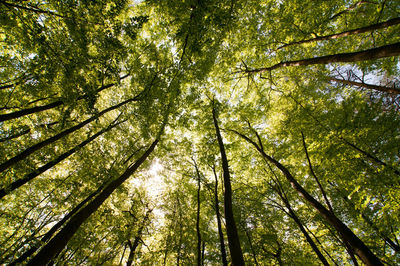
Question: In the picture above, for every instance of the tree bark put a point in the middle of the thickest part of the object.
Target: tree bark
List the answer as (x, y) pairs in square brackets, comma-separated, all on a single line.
[(370, 54), (198, 215), (367, 86), (360, 249), (385, 24), (233, 237), (138, 238), (292, 214), (253, 252), (60, 135), (16, 184), (17, 114), (390, 242), (60, 240), (57, 226), (220, 233), (328, 203)]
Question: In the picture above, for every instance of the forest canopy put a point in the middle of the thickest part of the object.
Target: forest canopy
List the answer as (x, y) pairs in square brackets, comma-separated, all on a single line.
[(199, 132)]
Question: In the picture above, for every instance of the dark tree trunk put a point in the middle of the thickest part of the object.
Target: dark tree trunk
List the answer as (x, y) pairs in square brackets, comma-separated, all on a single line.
[(359, 248), (328, 203), (231, 229), (369, 28), (60, 240), (365, 153), (203, 251), (281, 193), (253, 252), (198, 215), (13, 115), (16, 184), (60, 135), (390, 242), (369, 156), (57, 226), (370, 54), (367, 86), (220, 232), (138, 238)]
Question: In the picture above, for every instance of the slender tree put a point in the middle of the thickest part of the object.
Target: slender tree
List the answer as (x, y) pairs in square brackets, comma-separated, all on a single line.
[(231, 229), (356, 244), (198, 214), (282, 195), (370, 54), (138, 238), (10, 162), (36, 109), (367, 86), (58, 242), (219, 224), (18, 183), (369, 28)]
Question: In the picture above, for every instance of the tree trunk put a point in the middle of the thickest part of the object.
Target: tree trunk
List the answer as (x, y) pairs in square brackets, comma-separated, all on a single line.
[(385, 24), (57, 226), (198, 216), (370, 156), (16, 184), (60, 135), (13, 115), (220, 233), (367, 86), (370, 54), (253, 252), (138, 238), (231, 229), (60, 240), (360, 249), (203, 251), (292, 214), (390, 242), (328, 203), (367, 154)]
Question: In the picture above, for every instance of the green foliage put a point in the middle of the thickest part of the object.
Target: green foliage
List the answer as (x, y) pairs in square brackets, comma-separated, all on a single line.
[(178, 60)]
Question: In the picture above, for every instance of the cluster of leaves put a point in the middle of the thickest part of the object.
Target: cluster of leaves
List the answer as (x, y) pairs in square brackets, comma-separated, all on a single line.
[(87, 86)]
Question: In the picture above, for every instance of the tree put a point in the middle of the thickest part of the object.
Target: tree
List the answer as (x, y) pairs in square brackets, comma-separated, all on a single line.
[(89, 88)]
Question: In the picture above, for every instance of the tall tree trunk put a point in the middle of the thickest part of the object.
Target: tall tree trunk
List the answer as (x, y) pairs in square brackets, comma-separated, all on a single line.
[(360, 249), (385, 24), (60, 240), (370, 54), (231, 229), (203, 251), (253, 252), (60, 135), (198, 215), (365, 153), (370, 156), (220, 232), (347, 245), (319, 242), (367, 86), (390, 242), (138, 238), (16, 184), (57, 226), (328, 203), (17, 114), (281, 193)]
